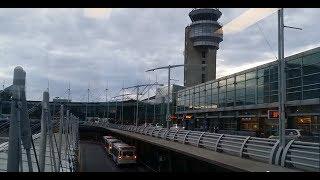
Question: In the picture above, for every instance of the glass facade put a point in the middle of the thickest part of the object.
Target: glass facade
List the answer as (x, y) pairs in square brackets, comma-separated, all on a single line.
[(256, 86)]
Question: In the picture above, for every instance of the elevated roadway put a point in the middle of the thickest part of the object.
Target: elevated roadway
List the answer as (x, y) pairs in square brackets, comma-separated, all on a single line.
[(230, 163)]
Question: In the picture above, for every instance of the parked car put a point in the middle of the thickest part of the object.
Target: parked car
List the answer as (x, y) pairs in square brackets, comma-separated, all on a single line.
[(159, 126), (290, 134), (175, 126)]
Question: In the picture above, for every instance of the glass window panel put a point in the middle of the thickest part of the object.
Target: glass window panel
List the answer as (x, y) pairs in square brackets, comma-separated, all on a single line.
[(274, 77), (311, 79), (294, 96), (274, 98), (263, 90), (230, 80), (260, 99), (293, 73), (274, 86), (263, 99), (196, 101), (295, 63), (240, 85), (263, 72), (222, 103), (241, 77), (263, 80), (251, 84), (214, 90), (274, 69), (230, 95), (202, 88), (311, 59), (230, 87), (214, 85), (222, 89), (196, 90), (273, 92), (311, 94), (311, 69), (240, 93), (311, 87), (296, 82), (240, 102), (187, 103), (208, 92), (202, 93), (215, 99), (187, 96), (208, 86), (209, 100), (251, 75), (229, 102), (266, 99), (294, 89), (202, 101), (222, 82), (222, 96), (250, 101), (250, 92)]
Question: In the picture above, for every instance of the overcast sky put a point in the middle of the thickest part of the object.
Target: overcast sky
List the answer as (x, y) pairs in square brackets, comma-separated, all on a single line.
[(114, 47)]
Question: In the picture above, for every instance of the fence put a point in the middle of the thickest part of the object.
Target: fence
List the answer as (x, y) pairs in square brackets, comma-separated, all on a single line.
[(296, 154)]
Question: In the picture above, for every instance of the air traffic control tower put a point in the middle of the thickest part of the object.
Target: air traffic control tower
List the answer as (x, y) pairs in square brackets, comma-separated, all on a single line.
[(202, 38)]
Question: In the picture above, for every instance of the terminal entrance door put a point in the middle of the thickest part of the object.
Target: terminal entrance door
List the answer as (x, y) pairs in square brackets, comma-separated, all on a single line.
[(304, 123), (270, 127)]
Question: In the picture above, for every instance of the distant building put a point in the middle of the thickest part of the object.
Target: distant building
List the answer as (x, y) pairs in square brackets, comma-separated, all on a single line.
[(58, 100), (202, 38), (241, 101), (162, 93)]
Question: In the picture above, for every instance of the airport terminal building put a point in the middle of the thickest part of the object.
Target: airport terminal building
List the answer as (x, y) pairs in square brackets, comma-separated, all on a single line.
[(241, 101)]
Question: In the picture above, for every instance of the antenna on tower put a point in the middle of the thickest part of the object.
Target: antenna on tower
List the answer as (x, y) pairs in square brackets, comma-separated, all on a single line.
[(69, 92), (48, 86), (87, 100)]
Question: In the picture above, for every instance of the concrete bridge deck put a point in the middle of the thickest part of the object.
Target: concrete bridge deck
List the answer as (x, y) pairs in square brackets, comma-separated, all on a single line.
[(222, 160)]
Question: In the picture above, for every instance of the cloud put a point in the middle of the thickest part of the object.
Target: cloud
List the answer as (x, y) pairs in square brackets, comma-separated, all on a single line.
[(63, 45), (247, 19), (98, 13)]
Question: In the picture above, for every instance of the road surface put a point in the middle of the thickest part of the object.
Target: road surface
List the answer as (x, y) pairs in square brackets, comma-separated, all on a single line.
[(95, 159)]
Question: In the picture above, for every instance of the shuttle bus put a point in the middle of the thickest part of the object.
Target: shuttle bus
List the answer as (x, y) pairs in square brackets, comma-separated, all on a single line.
[(109, 143), (123, 154), (105, 138)]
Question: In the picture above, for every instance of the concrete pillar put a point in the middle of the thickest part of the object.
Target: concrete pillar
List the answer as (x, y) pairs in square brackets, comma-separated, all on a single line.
[(25, 125), (60, 134), (44, 126), (14, 149)]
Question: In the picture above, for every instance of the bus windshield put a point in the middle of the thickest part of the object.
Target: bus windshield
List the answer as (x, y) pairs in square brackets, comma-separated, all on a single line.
[(127, 153)]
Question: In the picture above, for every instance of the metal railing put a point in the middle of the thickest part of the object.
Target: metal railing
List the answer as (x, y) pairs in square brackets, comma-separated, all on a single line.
[(296, 154)]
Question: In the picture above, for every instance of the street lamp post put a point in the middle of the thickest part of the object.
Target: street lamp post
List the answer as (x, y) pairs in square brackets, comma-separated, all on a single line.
[(169, 67), (122, 104), (87, 103), (281, 78), (168, 97), (137, 106), (107, 103), (122, 107), (137, 98)]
